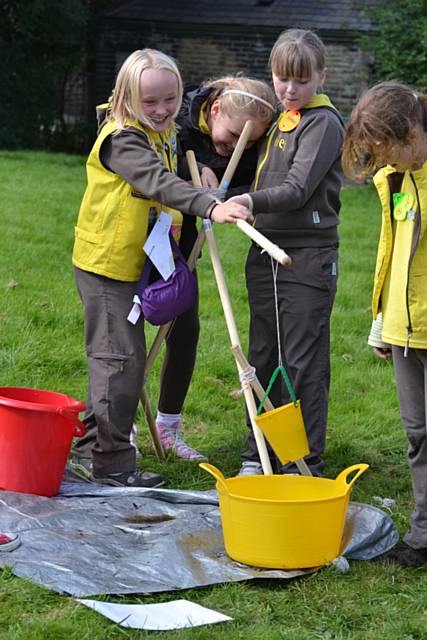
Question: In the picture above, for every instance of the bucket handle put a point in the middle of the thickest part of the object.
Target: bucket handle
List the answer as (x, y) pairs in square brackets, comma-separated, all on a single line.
[(216, 473), (70, 413), (342, 477)]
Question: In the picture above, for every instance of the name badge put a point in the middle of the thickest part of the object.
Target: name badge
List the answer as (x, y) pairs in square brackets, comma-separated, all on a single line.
[(289, 120), (403, 206)]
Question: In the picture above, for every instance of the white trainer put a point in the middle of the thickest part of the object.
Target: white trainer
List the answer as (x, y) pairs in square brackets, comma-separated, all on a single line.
[(250, 468)]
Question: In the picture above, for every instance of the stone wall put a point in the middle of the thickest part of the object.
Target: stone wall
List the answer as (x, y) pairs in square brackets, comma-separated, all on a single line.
[(347, 75), (204, 54)]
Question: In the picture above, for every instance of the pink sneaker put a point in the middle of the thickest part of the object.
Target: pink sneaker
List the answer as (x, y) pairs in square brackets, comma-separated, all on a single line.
[(171, 441)]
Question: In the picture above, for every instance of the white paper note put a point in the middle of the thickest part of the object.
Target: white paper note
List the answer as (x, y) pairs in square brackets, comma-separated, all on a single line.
[(135, 312), (158, 248), (164, 616)]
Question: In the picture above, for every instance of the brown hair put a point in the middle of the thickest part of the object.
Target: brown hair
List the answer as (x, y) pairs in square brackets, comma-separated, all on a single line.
[(232, 92), (297, 53), (384, 116)]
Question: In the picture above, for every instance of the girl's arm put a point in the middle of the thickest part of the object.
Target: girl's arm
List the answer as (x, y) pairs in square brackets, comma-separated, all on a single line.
[(380, 348), (130, 156), (319, 147)]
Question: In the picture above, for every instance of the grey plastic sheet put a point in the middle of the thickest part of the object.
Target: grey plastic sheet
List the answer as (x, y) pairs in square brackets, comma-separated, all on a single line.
[(93, 539)]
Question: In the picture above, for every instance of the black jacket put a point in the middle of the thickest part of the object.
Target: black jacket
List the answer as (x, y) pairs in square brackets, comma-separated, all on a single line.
[(190, 137)]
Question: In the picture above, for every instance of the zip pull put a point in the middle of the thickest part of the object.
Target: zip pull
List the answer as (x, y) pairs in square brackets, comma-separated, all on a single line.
[(405, 353)]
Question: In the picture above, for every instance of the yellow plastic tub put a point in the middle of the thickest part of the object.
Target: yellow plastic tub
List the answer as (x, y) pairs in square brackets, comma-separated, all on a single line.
[(284, 522)]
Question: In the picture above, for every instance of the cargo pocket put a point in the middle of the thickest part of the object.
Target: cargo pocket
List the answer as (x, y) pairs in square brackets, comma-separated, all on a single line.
[(87, 236), (117, 360)]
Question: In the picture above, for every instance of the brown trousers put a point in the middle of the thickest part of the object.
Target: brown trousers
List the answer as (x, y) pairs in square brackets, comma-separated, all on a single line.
[(411, 381), (116, 353), (306, 292)]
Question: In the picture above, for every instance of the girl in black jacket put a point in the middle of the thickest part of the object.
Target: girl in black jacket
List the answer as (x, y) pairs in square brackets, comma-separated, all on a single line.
[(210, 122)]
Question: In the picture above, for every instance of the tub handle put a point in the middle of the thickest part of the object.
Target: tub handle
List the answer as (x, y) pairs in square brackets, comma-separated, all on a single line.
[(78, 426), (342, 477), (216, 473)]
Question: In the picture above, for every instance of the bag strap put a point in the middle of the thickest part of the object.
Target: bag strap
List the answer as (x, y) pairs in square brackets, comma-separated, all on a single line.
[(176, 249), (148, 265), (145, 274)]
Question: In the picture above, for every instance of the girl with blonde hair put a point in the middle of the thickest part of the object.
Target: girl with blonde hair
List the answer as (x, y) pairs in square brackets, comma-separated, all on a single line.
[(131, 174), (210, 122)]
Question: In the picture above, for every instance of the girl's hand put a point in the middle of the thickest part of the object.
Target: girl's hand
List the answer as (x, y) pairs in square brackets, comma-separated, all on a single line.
[(231, 212), (381, 352), (243, 199), (209, 179)]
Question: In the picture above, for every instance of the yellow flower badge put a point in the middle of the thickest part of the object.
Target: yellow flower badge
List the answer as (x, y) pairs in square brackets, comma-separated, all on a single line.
[(289, 120), (403, 206)]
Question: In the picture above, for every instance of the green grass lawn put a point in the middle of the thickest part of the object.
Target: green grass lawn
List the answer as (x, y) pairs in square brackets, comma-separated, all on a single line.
[(42, 346)]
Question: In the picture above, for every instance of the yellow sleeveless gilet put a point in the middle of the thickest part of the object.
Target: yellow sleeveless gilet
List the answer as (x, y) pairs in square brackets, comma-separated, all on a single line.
[(113, 219)]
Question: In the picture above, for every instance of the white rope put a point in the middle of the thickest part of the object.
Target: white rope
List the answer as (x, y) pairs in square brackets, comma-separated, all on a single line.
[(247, 376), (274, 270)]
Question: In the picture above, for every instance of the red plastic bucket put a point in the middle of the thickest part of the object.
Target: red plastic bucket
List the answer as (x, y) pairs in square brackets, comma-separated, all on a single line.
[(36, 430)]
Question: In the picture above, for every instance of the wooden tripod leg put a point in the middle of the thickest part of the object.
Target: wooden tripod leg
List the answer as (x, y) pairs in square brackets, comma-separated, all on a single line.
[(160, 336), (145, 402), (229, 318), (143, 396), (232, 330), (163, 330)]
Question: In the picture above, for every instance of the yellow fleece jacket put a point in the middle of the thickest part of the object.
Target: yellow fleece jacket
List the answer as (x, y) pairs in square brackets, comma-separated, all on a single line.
[(400, 287)]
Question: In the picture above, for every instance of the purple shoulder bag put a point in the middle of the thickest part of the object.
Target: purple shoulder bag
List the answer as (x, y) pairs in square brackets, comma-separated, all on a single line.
[(164, 300)]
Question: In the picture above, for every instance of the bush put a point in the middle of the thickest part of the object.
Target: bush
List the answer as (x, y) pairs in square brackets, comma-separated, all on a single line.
[(41, 44), (399, 42)]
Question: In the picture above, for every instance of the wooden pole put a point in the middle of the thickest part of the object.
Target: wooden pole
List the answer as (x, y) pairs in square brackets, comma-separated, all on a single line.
[(272, 249), (231, 325), (164, 330), (303, 468)]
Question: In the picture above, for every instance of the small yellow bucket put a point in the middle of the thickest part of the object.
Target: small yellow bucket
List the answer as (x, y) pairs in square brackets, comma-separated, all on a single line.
[(284, 522), (284, 429)]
